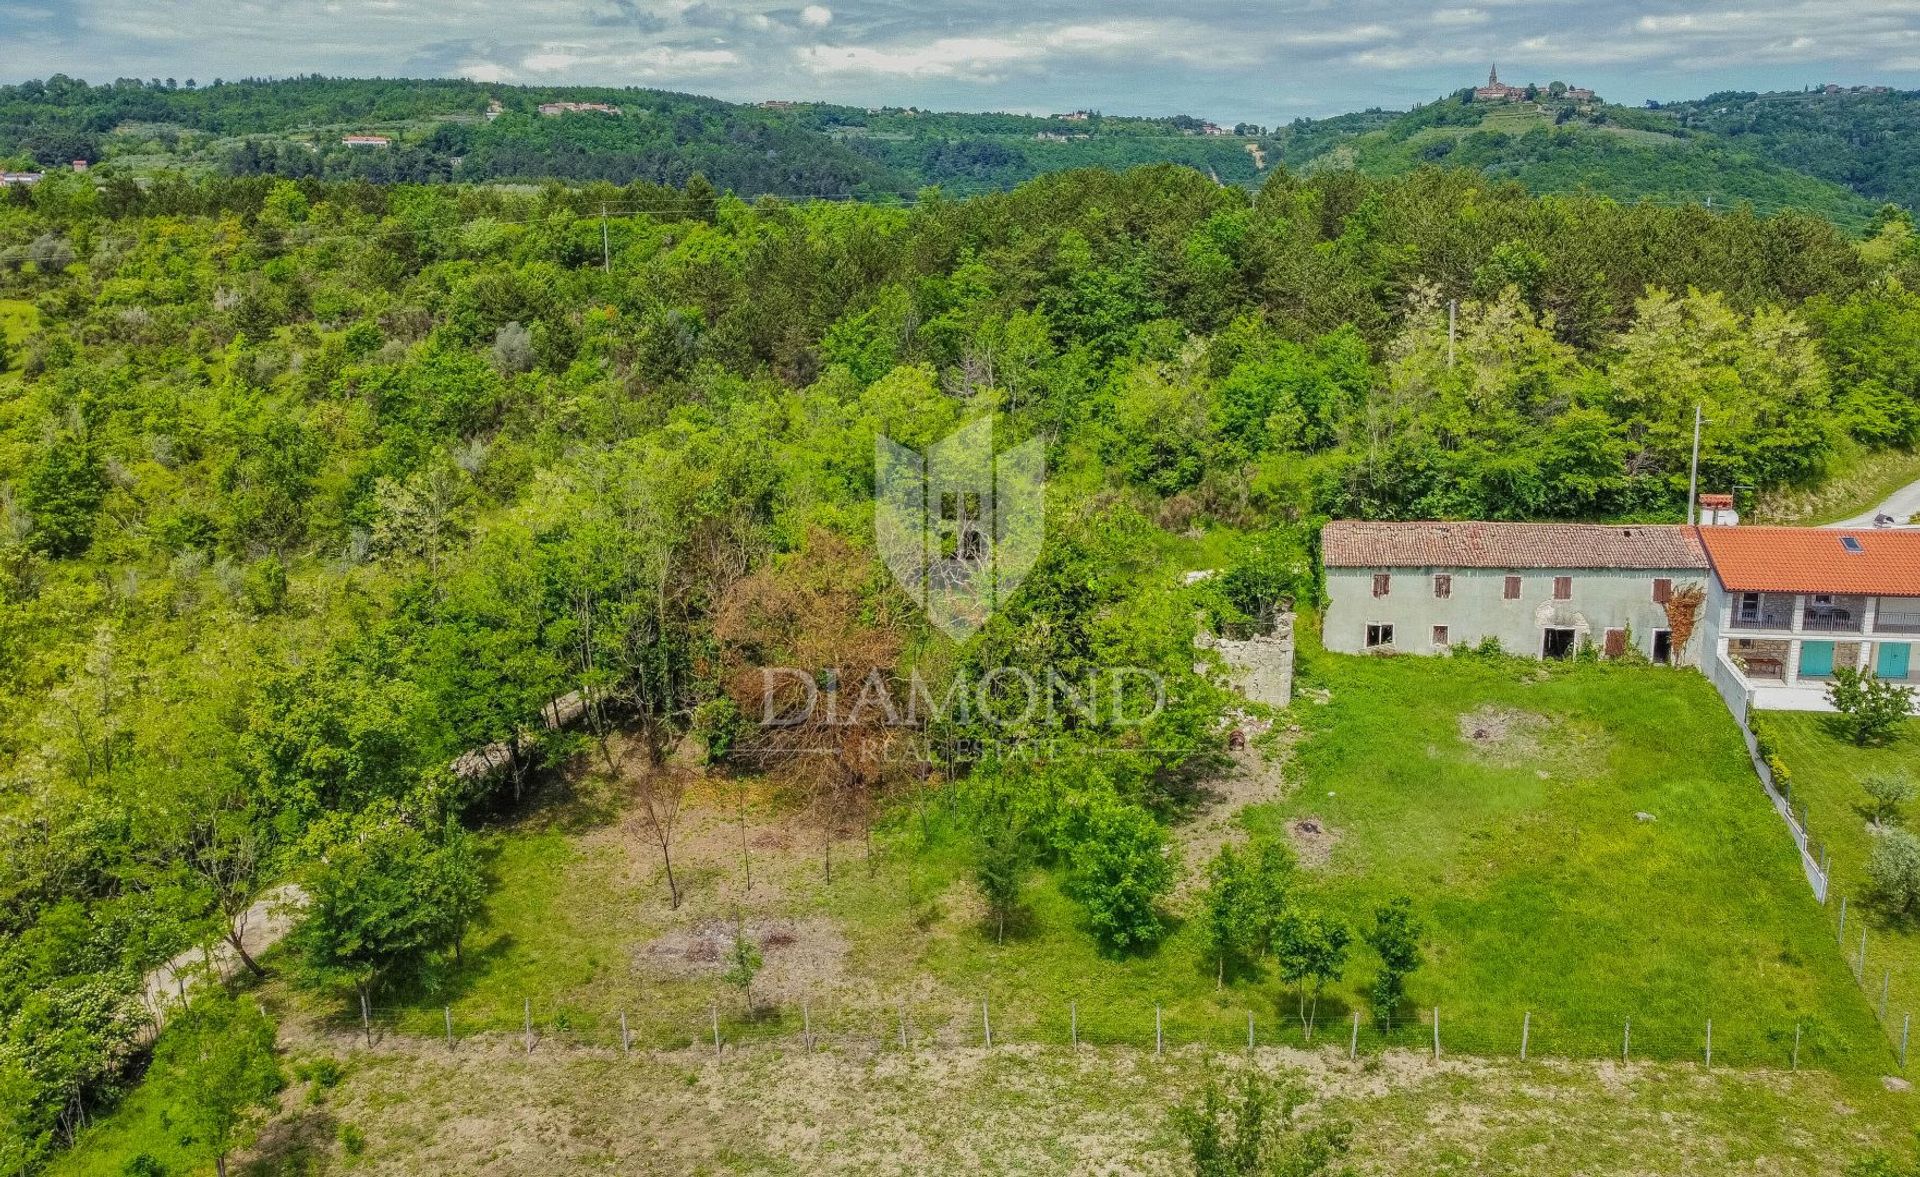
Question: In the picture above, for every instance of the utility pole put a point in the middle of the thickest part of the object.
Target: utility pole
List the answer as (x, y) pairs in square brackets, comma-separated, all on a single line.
[(606, 249), (1693, 474)]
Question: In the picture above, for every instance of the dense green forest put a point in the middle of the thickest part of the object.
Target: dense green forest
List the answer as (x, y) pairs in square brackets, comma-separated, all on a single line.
[(1867, 138), (1838, 155), (307, 487)]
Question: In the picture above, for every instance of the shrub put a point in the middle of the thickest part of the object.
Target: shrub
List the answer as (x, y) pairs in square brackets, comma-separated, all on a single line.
[(1251, 1131), (1782, 779), (1121, 867), (1887, 794), (1894, 872)]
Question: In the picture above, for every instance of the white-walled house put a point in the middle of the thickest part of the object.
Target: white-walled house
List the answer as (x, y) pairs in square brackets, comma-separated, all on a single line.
[(1786, 605), (1542, 589)]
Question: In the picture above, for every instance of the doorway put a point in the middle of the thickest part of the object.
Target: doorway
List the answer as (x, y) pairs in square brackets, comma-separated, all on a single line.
[(1662, 646), (1557, 643)]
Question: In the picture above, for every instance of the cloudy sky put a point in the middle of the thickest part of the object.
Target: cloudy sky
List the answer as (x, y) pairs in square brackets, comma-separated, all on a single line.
[(1264, 62)]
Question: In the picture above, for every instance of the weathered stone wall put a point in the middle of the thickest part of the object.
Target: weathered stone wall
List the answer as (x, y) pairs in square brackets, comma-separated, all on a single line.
[(1260, 667)]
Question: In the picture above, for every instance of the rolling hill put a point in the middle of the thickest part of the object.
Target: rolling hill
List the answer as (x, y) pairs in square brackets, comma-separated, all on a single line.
[(1621, 152), (1837, 155)]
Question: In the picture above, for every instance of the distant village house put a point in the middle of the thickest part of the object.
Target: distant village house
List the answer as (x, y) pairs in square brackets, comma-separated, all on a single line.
[(366, 140), (1498, 91), (554, 109)]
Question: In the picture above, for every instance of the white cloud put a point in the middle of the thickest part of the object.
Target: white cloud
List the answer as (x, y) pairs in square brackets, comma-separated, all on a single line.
[(816, 16), (946, 57)]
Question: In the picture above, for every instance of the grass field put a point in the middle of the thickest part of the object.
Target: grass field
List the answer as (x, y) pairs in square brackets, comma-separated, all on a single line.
[(489, 1108), (1827, 771), (1501, 795), (1544, 893)]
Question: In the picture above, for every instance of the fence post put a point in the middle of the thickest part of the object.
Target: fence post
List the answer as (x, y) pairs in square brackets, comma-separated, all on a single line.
[(716, 1027), (526, 1009), (448, 1010), (366, 1017), (1436, 1033), (986, 1022), (903, 1025), (1526, 1029), (806, 1022), (1796, 1046), (1353, 1046), (1249, 1031), (1159, 1037), (1073, 1022), (626, 1039), (1862, 973), (1709, 1043), (1626, 1039), (1886, 983), (1843, 919)]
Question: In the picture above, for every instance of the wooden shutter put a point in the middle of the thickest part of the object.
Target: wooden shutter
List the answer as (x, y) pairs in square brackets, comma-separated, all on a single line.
[(1442, 586), (1662, 590), (1381, 583), (1563, 588), (1616, 643), (1513, 588)]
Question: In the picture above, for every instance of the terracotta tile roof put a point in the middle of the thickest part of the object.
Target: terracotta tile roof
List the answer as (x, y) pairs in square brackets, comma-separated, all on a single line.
[(1351, 544), (1815, 560), (1721, 502)]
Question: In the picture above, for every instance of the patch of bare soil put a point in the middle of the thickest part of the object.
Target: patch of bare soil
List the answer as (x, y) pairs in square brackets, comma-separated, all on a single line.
[(1256, 776), (1313, 840), (797, 955), (1504, 731)]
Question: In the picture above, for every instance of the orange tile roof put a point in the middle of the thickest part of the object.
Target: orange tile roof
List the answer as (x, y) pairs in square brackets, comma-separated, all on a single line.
[(1353, 544), (1814, 560)]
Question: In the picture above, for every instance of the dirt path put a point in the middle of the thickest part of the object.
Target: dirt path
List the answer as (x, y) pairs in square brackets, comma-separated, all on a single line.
[(261, 927)]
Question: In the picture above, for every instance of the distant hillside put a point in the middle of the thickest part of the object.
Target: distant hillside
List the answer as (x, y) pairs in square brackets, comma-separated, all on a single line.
[(1565, 146), (1835, 155), (1867, 138), (448, 130)]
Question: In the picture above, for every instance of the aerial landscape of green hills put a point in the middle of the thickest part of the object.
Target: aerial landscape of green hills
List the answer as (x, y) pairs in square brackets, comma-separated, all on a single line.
[(1836, 154), (443, 524)]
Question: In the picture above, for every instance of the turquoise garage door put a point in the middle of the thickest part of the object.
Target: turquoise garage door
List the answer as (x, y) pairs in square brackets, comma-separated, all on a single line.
[(1893, 660), (1816, 659)]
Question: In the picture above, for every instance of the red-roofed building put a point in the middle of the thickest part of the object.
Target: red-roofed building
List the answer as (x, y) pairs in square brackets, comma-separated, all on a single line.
[(1787, 605)]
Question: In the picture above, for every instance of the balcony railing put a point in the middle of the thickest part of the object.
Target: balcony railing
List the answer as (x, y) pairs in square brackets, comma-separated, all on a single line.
[(1781, 618), (1896, 621), (1831, 620)]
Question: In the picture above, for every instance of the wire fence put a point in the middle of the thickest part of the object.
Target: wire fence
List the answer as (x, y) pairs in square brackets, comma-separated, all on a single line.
[(1070, 1023)]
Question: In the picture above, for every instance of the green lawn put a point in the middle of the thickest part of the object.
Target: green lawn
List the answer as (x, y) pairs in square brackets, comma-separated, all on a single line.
[(1546, 891), (1826, 774)]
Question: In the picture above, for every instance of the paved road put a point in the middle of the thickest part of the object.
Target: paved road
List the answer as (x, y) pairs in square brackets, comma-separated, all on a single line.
[(261, 927), (1902, 504)]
